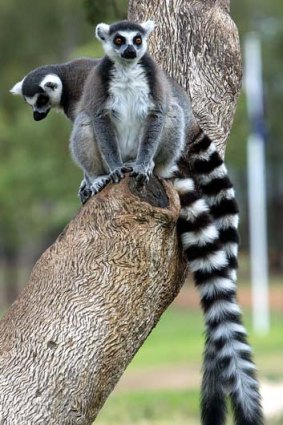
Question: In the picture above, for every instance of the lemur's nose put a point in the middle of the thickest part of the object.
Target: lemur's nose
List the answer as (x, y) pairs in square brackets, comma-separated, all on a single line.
[(129, 52), (38, 116)]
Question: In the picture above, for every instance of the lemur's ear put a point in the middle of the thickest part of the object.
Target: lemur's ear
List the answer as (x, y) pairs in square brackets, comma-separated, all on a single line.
[(148, 26), (102, 31), (17, 88)]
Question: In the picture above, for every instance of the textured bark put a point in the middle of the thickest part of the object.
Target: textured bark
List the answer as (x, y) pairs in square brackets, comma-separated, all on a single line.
[(197, 43), (92, 299)]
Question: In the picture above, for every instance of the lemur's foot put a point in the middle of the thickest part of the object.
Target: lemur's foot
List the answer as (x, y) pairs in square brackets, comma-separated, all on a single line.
[(142, 173), (99, 183), (84, 192)]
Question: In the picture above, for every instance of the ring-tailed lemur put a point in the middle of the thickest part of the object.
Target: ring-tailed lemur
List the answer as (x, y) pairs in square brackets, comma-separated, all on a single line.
[(55, 86), (131, 116), (209, 239)]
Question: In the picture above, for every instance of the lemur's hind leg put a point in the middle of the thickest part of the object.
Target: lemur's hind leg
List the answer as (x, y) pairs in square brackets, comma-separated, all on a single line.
[(172, 144)]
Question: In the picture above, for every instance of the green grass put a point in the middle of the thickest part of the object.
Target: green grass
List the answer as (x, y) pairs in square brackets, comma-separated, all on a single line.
[(268, 349), (178, 340), (163, 407)]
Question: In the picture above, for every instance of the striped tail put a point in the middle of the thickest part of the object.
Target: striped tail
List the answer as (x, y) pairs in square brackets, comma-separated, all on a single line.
[(228, 366), (211, 176)]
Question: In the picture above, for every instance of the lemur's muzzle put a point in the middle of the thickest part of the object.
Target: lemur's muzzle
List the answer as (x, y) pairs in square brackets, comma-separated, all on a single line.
[(38, 116), (129, 53)]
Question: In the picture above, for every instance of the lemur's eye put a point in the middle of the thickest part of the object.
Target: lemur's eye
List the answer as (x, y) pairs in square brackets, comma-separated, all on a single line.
[(42, 101), (138, 41), (118, 41)]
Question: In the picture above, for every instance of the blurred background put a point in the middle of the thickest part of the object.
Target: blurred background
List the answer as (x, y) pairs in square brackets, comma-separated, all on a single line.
[(39, 183)]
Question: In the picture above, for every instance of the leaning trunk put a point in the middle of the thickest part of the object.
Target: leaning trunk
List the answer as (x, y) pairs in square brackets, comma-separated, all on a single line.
[(92, 299)]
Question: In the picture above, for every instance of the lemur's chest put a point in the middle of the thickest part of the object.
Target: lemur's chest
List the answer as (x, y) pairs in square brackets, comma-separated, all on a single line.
[(129, 104)]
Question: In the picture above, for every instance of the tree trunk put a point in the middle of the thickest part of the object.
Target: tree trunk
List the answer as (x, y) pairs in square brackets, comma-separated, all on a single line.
[(92, 299), (197, 43)]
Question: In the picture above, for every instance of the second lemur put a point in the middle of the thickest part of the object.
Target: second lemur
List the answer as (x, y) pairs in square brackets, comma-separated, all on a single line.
[(57, 86)]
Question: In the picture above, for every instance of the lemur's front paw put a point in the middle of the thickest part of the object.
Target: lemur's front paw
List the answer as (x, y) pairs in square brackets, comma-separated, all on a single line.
[(142, 173), (117, 174), (84, 192), (128, 166), (99, 183)]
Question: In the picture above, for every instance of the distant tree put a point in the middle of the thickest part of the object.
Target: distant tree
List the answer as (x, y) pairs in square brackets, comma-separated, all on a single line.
[(110, 10), (265, 18), (34, 156)]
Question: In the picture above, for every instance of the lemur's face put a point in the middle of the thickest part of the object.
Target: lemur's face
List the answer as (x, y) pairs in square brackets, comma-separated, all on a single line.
[(128, 45), (124, 42), (41, 97), (40, 104)]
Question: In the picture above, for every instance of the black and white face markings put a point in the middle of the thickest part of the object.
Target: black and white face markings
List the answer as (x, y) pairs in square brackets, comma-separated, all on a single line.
[(40, 104), (208, 229), (124, 41), (41, 92)]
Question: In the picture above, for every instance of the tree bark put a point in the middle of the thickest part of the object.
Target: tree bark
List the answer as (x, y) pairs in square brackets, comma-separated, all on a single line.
[(197, 43), (92, 299)]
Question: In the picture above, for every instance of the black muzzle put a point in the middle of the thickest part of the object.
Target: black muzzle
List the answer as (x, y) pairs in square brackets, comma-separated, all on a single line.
[(129, 53), (38, 116)]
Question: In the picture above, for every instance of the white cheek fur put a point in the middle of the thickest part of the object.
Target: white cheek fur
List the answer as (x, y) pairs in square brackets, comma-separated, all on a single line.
[(55, 93)]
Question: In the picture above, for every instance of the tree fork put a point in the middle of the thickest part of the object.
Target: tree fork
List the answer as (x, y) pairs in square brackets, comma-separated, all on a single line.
[(92, 299)]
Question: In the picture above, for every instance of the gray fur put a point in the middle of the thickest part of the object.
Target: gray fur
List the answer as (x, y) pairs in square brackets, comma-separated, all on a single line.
[(60, 84), (130, 113)]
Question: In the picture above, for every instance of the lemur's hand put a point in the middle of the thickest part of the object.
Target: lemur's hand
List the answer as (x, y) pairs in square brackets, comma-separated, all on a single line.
[(119, 172), (142, 172), (84, 191)]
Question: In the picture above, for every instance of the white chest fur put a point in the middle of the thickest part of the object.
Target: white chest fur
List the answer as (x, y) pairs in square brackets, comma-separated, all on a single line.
[(129, 104)]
